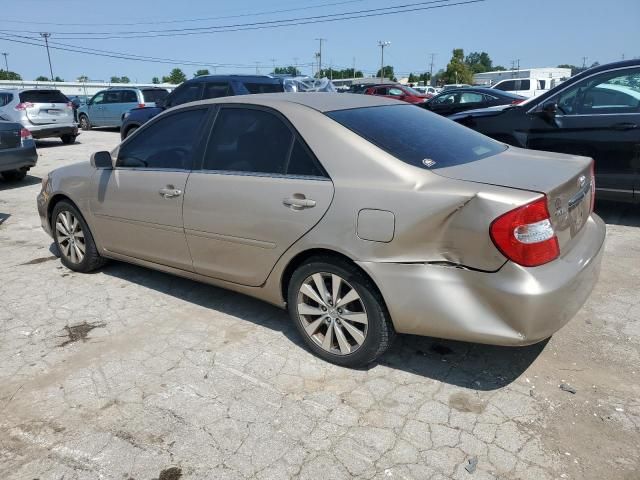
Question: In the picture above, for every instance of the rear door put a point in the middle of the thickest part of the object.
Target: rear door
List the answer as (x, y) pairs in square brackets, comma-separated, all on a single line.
[(598, 117), (46, 106), (138, 205), (259, 190), (216, 90)]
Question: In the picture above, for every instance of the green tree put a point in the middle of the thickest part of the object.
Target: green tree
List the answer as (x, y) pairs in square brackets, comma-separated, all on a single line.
[(155, 80), (9, 75), (83, 78), (58, 79), (499, 68), (115, 80), (123, 79), (413, 78), (457, 70), (201, 72), (388, 72), (290, 70), (479, 62), (176, 76), (42, 78), (339, 74)]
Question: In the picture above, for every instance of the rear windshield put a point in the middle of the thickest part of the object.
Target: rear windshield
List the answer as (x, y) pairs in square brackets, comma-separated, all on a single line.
[(154, 95), (264, 87), (43, 96), (416, 136)]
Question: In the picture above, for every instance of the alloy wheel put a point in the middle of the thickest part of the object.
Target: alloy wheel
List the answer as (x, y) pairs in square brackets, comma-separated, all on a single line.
[(332, 313), (70, 237)]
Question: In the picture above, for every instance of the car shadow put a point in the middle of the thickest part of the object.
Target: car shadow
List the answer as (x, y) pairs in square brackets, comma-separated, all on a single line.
[(474, 366), (618, 213), (51, 143), (25, 182)]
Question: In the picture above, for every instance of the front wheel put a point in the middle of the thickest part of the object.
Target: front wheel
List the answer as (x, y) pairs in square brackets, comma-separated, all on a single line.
[(78, 251), (84, 123), (68, 139), (339, 312), (130, 132), (14, 175)]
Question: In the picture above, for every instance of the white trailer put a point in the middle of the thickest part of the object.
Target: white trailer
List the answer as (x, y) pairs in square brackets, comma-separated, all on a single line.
[(550, 76)]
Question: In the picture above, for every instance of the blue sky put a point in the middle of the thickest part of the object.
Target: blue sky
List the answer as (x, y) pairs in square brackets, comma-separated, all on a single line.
[(540, 33)]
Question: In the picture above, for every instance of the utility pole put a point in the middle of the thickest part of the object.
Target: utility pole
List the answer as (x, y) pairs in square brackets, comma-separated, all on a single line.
[(320, 53), (518, 68), (273, 62), (382, 44), (257, 70), (354, 68), (295, 64), (584, 62), (317, 59), (46, 36), (6, 64), (431, 69)]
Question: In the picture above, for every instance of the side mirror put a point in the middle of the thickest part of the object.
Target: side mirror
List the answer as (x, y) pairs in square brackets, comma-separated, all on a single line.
[(102, 160)]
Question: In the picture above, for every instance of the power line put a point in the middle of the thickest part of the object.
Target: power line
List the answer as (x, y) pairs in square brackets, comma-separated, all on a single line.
[(376, 12), (186, 20)]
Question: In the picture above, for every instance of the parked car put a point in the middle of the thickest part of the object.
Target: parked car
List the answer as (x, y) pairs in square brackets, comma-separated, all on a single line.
[(359, 87), (44, 112), (527, 87), (461, 99), (203, 87), (107, 107), (364, 216), (595, 114), (398, 92), (17, 150), (431, 91)]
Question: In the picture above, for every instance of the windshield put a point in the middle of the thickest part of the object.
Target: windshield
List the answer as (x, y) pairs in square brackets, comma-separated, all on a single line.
[(416, 136)]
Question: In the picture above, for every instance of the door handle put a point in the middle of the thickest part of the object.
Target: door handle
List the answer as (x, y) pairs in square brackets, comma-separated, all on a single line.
[(170, 192), (624, 126), (298, 202)]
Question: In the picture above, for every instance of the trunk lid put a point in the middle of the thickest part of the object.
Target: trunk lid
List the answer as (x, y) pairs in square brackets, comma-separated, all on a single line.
[(46, 106), (566, 180), (9, 135)]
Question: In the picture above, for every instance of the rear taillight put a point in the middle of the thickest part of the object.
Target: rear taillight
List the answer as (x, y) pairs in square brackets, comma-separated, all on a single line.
[(525, 235), (23, 105), (593, 185), (141, 105), (25, 135), (69, 104), (517, 101)]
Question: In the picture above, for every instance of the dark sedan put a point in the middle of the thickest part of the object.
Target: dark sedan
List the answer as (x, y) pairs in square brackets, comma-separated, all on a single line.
[(461, 99), (594, 114), (17, 150)]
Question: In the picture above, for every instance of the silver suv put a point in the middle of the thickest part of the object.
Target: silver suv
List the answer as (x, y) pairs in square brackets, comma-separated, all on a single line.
[(108, 107), (44, 112)]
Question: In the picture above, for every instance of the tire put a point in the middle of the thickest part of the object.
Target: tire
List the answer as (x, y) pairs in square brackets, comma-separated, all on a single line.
[(69, 253), (130, 132), (84, 122), (14, 175), (68, 139), (373, 323)]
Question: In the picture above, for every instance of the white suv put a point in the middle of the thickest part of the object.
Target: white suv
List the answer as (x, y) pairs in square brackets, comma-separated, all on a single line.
[(44, 112), (527, 87)]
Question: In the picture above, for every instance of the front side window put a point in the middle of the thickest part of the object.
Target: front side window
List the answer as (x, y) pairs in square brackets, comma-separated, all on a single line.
[(167, 143), (470, 97), (445, 99), (98, 99), (607, 93), (507, 86), (216, 90), (416, 136), (185, 93), (257, 141)]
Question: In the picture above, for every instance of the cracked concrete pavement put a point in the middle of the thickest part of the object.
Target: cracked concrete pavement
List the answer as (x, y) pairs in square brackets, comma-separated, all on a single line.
[(133, 374)]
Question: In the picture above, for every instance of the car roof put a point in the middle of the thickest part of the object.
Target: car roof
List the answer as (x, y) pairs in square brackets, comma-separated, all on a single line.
[(238, 76), (321, 101)]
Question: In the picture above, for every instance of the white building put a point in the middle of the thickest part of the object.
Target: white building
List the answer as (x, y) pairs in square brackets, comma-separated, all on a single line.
[(88, 88), (554, 74)]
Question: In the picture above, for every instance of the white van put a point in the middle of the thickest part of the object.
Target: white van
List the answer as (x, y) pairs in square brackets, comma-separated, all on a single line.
[(527, 87)]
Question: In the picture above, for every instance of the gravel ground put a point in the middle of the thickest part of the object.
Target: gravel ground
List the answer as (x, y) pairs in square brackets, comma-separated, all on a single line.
[(133, 374)]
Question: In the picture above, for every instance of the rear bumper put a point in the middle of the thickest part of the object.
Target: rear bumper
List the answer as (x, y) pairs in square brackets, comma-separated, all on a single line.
[(513, 306), (15, 158), (52, 130)]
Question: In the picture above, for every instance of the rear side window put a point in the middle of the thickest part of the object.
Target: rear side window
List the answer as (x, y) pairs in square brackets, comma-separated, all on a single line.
[(166, 144), (264, 87), (216, 90), (112, 96), (5, 99), (129, 96), (185, 93), (416, 136), (154, 95), (43, 96)]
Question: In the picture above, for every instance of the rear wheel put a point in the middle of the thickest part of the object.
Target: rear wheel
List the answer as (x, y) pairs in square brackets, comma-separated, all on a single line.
[(68, 139), (15, 175), (73, 238), (339, 312), (84, 122)]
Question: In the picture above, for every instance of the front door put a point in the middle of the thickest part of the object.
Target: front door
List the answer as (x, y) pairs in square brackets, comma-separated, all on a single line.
[(95, 110), (138, 205), (259, 191), (112, 108), (600, 118)]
